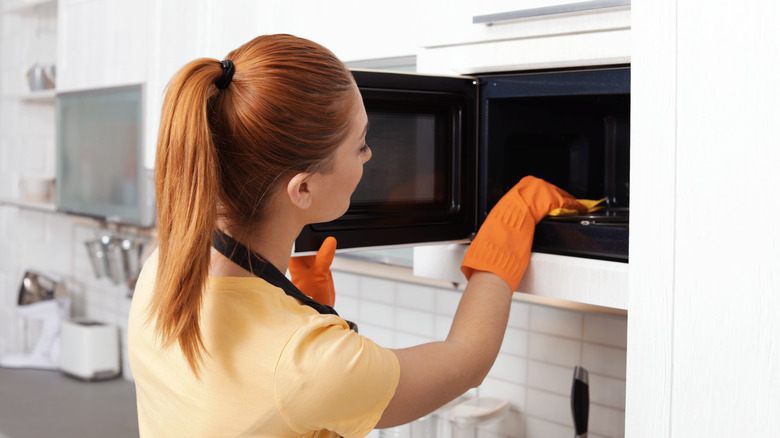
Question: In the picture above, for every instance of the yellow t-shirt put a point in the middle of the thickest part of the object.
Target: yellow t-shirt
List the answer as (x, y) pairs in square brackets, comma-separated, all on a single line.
[(274, 368)]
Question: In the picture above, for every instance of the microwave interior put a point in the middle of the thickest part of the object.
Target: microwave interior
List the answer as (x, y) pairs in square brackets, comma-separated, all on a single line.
[(572, 129)]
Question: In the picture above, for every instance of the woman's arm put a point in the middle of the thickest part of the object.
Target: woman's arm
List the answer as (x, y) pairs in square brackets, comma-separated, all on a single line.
[(435, 373)]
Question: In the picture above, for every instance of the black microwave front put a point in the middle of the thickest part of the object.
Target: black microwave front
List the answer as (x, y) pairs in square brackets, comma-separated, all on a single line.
[(445, 149)]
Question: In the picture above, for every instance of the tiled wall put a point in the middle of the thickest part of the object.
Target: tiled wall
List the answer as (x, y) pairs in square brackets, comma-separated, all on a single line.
[(535, 366)]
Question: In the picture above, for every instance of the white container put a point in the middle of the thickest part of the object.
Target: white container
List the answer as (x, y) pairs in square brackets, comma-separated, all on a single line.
[(37, 188), (90, 350), (467, 416)]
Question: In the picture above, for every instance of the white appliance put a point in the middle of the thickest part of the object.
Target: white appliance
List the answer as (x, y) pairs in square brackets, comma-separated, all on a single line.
[(90, 350), (41, 300)]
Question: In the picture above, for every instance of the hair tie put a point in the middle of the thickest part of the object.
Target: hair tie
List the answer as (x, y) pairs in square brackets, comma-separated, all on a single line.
[(227, 74)]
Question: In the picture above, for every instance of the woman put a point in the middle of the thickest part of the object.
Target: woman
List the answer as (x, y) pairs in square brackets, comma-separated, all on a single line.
[(250, 150)]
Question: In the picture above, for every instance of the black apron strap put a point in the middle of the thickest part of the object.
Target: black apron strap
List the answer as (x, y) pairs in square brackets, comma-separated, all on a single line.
[(254, 263)]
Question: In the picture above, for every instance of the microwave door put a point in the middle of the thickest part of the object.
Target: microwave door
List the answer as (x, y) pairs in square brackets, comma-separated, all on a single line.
[(420, 184)]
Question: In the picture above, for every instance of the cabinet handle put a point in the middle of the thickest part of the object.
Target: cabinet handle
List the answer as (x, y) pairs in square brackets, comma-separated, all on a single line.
[(549, 10)]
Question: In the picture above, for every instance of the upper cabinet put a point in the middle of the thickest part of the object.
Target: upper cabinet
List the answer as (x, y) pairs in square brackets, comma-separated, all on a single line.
[(474, 37), (102, 43), (353, 30)]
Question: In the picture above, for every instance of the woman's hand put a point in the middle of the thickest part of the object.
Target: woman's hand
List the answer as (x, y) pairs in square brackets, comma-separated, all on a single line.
[(503, 243), (311, 274)]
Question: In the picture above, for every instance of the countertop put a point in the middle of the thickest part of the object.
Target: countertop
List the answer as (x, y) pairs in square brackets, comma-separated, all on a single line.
[(38, 404)]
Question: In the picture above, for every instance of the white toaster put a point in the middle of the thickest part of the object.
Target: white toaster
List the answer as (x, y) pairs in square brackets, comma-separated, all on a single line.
[(89, 350)]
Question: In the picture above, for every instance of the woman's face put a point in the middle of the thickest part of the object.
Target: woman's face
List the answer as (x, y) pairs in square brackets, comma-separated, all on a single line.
[(332, 188)]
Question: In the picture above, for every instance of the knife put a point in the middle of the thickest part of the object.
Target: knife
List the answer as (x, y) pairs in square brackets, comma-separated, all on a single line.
[(580, 402)]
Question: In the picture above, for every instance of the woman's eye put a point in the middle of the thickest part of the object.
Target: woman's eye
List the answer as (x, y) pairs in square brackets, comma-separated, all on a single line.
[(365, 148)]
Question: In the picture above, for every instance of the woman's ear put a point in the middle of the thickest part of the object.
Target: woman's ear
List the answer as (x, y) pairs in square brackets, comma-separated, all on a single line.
[(298, 190)]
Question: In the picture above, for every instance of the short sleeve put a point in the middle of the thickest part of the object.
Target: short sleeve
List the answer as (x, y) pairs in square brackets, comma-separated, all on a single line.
[(330, 377)]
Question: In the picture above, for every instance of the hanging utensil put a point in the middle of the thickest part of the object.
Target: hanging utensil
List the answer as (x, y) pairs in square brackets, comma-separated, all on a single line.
[(580, 402)]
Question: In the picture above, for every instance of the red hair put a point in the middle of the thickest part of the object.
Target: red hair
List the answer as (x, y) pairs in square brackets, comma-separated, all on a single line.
[(220, 152)]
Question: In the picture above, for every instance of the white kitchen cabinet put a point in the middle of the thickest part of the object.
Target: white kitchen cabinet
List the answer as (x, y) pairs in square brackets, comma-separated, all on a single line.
[(705, 265), (526, 35), (352, 29), (102, 43), (107, 43)]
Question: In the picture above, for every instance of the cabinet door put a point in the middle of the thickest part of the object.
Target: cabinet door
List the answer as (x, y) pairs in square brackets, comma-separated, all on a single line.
[(102, 43), (476, 37), (353, 30)]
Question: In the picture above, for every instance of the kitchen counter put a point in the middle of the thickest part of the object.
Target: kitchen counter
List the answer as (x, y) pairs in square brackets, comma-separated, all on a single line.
[(37, 403)]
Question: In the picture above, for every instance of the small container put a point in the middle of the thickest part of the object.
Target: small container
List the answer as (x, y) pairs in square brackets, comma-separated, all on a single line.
[(41, 77), (97, 257), (36, 188), (467, 416), (115, 257), (90, 350)]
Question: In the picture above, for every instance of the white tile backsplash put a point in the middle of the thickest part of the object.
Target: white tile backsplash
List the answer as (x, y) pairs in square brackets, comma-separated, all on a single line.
[(515, 342), (609, 330), (608, 361), (510, 368), (377, 290), (549, 377), (379, 314), (415, 322), (607, 391), (558, 322), (606, 421), (537, 427), (519, 315), (416, 297), (552, 349), (551, 407)]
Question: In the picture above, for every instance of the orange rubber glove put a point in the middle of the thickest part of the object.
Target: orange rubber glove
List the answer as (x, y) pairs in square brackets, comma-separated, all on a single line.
[(503, 244), (311, 274)]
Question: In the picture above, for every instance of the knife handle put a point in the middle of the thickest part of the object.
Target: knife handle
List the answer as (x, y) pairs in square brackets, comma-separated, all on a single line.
[(580, 401)]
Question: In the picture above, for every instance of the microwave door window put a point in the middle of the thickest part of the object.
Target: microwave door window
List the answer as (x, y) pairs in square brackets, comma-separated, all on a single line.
[(403, 168), (419, 184), (411, 178)]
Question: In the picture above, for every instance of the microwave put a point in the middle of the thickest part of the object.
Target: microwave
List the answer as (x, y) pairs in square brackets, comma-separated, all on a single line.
[(446, 148)]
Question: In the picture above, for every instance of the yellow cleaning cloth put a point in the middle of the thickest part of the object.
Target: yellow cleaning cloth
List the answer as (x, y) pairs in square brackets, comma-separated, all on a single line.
[(592, 204)]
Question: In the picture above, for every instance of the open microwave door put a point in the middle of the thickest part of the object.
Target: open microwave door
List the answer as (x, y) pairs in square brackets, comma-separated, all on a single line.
[(420, 184)]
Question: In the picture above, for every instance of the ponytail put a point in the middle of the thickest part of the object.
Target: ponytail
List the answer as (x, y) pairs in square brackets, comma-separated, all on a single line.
[(186, 181)]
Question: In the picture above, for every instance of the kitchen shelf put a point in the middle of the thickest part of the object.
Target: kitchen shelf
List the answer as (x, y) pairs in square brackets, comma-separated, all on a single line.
[(43, 96), (530, 291), (548, 277), (30, 205), (29, 6)]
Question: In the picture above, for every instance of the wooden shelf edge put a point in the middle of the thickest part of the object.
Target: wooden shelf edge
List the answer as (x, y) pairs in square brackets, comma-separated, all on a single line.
[(30, 205)]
